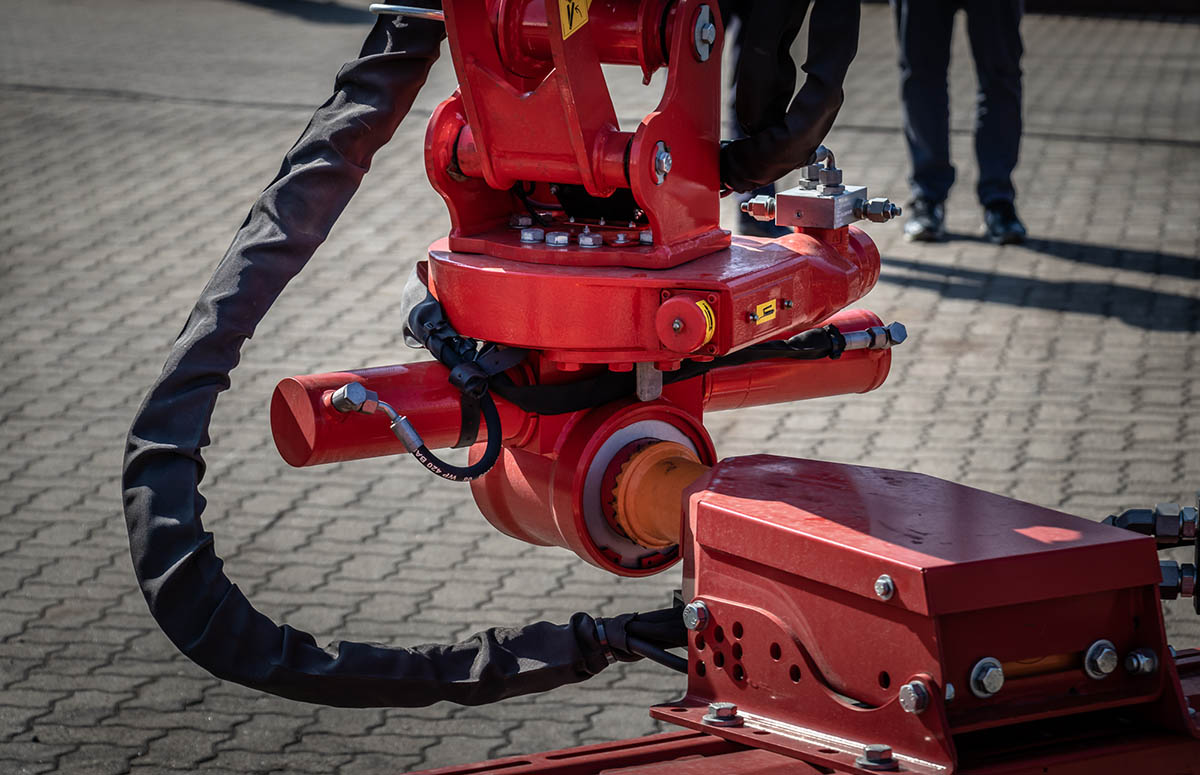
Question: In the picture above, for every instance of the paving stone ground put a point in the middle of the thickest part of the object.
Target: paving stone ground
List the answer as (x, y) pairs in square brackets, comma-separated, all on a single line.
[(133, 137)]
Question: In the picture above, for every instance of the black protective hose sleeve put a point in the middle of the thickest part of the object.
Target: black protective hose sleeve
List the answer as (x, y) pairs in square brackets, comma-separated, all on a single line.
[(200, 610), (491, 452)]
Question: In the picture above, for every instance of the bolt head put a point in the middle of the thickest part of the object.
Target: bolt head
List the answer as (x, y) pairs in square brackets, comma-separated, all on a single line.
[(877, 753), (533, 235), (708, 33), (1141, 662), (723, 709), (695, 615), (914, 697), (987, 678), (677, 325), (662, 162), (558, 238), (885, 588), (951, 693), (897, 332), (1101, 659), (646, 237), (520, 221), (621, 238), (590, 239)]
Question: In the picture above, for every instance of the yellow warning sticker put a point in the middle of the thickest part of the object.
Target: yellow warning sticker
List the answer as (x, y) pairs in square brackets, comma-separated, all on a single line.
[(764, 312), (710, 320), (573, 15)]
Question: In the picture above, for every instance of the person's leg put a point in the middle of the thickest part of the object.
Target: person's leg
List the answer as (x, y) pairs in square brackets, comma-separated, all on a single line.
[(994, 30), (732, 18), (923, 30)]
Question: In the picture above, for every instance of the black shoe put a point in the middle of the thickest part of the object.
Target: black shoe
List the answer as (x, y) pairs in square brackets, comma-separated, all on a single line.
[(926, 221), (1003, 225)]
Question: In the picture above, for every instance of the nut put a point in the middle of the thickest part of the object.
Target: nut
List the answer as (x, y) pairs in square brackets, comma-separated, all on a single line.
[(533, 235), (662, 162), (760, 208), (1168, 588), (646, 237), (558, 238), (590, 239), (520, 221), (877, 756), (1141, 662), (1168, 522)]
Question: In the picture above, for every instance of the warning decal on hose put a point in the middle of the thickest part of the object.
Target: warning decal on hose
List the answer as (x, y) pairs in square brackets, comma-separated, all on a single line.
[(710, 320), (573, 15)]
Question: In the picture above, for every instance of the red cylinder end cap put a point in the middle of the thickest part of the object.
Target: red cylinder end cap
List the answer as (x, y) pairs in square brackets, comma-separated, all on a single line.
[(293, 423), (685, 323)]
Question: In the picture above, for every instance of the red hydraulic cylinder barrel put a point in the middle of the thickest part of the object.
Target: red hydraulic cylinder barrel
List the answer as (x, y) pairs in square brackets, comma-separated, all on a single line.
[(781, 380), (308, 431)]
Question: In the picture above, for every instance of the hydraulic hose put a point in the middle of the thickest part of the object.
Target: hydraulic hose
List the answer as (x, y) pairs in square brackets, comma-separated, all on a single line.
[(202, 612), (491, 452)]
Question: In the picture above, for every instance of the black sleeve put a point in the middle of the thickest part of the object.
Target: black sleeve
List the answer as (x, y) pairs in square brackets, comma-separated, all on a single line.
[(200, 610), (779, 141)]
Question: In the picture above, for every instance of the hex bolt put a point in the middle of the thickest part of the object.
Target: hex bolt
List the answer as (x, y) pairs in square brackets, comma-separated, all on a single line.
[(558, 238), (677, 325), (590, 239), (533, 235), (987, 678), (877, 756), (520, 221), (695, 615), (951, 693), (646, 237), (621, 238), (914, 697), (788, 304), (885, 587), (1101, 660), (662, 162), (752, 317), (722, 714), (1141, 662), (704, 34)]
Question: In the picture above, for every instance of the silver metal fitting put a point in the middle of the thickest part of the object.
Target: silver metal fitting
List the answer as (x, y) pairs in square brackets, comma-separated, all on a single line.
[(1101, 660), (649, 381), (704, 34), (878, 210), (951, 693), (877, 756), (914, 697), (1178, 579), (695, 615), (406, 434), (1173, 525), (1141, 662), (646, 237), (558, 238), (533, 235), (722, 714), (987, 678), (760, 208), (622, 238), (662, 162), (354, 397), (810, 175), (876, 337), (590, 239), (520, 221), (885, 587)]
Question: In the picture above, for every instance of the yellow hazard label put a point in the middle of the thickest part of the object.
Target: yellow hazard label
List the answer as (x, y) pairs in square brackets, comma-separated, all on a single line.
[(573, 15), (710, 320), (764, 312)]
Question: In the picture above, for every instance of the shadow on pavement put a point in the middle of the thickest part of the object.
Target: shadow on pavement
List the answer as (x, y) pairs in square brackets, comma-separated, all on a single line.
[(317, 11), (1140, 307)]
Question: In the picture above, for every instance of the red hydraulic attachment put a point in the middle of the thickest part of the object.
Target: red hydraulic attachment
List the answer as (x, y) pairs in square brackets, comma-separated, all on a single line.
[(843, 619)]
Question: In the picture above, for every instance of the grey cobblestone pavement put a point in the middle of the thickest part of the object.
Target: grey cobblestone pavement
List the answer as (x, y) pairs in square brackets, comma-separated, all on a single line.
[(133, 137)]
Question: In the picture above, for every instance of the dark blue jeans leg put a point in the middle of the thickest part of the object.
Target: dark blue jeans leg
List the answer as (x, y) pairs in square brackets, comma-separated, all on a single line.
[(923, 30), (994, 30)]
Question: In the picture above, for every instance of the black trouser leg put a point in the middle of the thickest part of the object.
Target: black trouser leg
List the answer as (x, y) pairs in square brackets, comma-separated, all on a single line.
[(994, 30), (923, 29)]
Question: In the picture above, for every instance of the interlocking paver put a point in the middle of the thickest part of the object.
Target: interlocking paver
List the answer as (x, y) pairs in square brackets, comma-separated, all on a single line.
[(133, 140)]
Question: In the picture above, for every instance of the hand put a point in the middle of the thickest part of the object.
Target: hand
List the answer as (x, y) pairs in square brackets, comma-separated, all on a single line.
[(781, 131)]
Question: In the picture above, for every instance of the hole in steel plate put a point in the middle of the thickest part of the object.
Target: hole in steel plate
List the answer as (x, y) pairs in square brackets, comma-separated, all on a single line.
[(719, 659), (700, 668), (827, 750), (776, 651), (679, 710), (737, 629), (737, 651), (761, 732), (738, 673), (885, 680), (718, 634), (794, 673), (699, 642)]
